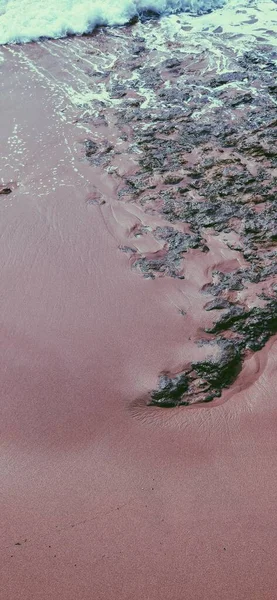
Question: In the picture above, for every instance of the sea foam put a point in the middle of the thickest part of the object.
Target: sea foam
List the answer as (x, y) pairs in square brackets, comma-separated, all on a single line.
[(27, 20)]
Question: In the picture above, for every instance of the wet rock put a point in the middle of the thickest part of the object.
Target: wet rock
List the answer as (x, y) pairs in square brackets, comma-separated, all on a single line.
[(225, 78), (225, 282), (178, 241), (242, 99), (262, 227), (148, 15), (171, 63), (203, 381), (174, 96), (256, 61), (169, 263), (170, 391), (90, 148), (217, 304), (206, 148), (133, 21), (139, 49), (273, 89), (229, 319), (166, 265), (117, 91), (253, 326), (5, 191), (221, 370), (173, 179), (259, 326), (207, 214), (133, 101)]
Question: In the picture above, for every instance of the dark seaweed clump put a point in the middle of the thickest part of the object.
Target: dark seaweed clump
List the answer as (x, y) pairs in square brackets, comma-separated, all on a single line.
[(203, 381), (230, 190)]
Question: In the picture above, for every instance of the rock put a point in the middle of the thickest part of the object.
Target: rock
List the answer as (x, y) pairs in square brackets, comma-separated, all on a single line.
[(171, 63), (229, 319), (170, 391), (206, 148), (259, 326), (242, 99), (203, 381), (225, 78), (217, 304), (173, 179), (5, 191), (177, 243), (220, 371), (90, 148)]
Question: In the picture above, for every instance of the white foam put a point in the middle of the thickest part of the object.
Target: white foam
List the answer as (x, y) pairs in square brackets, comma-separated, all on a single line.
[(27, 20)]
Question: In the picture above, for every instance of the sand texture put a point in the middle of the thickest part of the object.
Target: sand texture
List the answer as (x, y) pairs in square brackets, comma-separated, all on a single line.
[(138, 181)]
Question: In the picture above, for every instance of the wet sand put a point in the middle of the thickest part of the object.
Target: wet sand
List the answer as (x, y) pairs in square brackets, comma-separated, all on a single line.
[(101, 496)]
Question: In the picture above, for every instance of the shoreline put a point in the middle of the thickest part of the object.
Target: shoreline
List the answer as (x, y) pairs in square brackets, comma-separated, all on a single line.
[(104, 496)]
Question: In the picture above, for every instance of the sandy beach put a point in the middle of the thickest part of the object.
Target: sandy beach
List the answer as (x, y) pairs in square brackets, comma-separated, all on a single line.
[(102, 495)]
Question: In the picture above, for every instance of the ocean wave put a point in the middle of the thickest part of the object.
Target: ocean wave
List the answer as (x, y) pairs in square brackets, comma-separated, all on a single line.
[(29, 20)]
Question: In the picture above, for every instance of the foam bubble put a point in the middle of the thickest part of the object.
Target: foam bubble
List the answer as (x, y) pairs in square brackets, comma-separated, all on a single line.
[(27, 20)]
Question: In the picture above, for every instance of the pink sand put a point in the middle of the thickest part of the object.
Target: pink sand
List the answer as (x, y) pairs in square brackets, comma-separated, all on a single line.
[(101, 497)]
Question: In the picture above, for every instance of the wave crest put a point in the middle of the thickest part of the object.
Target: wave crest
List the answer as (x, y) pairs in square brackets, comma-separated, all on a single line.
[(29, 20)]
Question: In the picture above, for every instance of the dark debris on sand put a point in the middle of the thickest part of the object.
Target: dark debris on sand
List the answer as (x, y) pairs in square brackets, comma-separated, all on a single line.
[(215, 175)]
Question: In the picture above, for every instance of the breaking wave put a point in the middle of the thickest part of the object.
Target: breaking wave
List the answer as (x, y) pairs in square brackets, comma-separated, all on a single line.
[(28, 20)]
